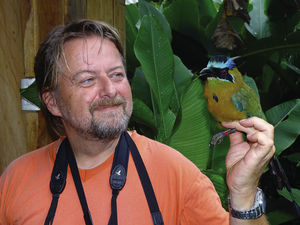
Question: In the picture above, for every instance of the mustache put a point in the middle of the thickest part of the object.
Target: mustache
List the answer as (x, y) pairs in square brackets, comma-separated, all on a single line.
[(107, 102)]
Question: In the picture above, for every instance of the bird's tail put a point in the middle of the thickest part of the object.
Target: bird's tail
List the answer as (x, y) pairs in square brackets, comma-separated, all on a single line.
[(282, 180)]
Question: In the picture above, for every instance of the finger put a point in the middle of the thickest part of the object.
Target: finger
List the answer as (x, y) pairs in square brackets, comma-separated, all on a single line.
[(270, 154), (261, 139), (238, 126), (268, 157), (251, 125), (262, 149), (257, 123), (262, 158)]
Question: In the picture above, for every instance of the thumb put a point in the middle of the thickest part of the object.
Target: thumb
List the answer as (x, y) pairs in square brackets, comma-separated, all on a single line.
[(236, 138)]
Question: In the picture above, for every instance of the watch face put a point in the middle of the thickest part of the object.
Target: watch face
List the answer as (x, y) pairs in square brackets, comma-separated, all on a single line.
[(260, 199)]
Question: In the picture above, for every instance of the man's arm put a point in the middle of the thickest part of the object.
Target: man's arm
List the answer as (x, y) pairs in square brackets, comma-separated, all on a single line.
[(245, 163)]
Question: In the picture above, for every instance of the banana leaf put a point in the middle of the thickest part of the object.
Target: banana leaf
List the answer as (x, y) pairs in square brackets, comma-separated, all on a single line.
[(132, 17), (148, 9), (258, 26), (154, 52), (192, 135), (286, 120)]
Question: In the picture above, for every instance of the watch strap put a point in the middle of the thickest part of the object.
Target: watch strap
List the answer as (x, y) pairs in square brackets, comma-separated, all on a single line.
[(248, 214), (255, 212)]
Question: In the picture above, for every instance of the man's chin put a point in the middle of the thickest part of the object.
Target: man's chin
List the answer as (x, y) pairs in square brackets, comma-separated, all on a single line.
[(108, 132), (108, 115), (111, 122), (108, 121)]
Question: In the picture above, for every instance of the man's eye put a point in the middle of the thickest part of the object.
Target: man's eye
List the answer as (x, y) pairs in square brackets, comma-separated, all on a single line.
[(87, 82), (117, 76)]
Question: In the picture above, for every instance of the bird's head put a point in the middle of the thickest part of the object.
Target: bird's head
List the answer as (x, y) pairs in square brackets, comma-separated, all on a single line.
[(219, 67)]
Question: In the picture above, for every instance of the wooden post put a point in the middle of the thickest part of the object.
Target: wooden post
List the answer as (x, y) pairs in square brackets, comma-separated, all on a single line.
[(40, 17), (50, 13), (12, 129), (110, 11)]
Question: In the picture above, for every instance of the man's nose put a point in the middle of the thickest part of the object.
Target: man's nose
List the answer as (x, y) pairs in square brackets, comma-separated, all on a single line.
[(106, 87)]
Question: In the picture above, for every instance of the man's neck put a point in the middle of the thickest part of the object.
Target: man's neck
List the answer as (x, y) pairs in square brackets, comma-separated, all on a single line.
[(90, 153)]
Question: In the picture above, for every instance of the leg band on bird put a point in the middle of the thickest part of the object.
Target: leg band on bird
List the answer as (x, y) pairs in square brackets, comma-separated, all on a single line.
[(218, 138)]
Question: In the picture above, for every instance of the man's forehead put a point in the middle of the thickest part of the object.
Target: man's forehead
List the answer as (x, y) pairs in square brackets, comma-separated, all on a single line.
[(83, 46), (80, 52)]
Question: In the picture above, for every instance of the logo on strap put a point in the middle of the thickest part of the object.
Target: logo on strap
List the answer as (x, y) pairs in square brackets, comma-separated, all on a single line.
[(118, 177)]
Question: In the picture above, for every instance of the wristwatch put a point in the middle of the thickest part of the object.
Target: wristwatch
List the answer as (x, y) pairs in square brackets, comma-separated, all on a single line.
[(255, 212)]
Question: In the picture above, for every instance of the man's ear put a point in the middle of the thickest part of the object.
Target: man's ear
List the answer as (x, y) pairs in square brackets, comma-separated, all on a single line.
[(50, 102)]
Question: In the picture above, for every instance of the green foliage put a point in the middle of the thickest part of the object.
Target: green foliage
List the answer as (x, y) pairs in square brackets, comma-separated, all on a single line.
[(192, 129), (278, 217), (258, 26), (296, 193), (153, 50), (286, 120), (173, 39)]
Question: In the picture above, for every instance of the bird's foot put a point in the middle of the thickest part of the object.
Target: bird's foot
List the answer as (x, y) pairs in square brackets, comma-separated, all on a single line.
[(218, 138)]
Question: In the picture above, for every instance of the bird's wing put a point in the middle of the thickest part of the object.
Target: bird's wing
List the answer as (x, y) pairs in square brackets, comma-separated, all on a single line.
[(245, 100)]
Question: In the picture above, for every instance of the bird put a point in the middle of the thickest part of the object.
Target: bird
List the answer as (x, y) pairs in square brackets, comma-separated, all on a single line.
[(229, 98)]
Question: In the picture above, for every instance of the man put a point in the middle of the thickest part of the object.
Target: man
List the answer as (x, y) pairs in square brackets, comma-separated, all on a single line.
[(80, 72)]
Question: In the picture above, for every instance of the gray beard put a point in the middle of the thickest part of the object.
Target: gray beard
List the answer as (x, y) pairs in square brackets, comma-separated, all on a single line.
[(93, 128), (101, 130), (105, 131)]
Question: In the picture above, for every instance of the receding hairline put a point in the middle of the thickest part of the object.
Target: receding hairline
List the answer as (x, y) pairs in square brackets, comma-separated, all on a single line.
[(64, 62)]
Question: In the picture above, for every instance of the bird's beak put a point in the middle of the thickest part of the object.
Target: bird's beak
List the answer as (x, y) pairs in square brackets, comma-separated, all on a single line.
[(204, 73)]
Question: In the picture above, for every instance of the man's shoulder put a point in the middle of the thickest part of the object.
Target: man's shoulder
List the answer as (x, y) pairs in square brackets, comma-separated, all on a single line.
[(32, 159)]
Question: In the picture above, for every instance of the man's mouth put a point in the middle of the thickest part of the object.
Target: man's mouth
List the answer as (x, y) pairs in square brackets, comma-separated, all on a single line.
[(107, 105)]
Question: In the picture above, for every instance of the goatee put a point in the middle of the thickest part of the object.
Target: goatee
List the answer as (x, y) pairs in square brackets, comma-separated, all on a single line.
[(107, 131), (117, 121)]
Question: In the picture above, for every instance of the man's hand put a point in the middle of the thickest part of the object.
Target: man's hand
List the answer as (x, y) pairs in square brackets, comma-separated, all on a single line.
[(246, 160)]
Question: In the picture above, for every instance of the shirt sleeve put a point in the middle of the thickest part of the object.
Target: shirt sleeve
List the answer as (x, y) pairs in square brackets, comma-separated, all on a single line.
[(202, 205)]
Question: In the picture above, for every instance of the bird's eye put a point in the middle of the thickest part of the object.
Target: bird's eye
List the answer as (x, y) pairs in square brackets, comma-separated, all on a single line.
[(223, 72)]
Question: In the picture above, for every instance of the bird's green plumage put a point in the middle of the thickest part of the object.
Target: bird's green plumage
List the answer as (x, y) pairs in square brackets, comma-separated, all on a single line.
[(246, 100)]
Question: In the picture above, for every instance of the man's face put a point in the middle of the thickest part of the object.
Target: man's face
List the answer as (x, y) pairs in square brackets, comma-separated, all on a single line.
[(93, 97)]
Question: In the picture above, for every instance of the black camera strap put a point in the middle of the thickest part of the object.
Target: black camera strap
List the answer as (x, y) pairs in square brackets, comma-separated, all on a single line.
[(118, 175), (76, 177), (146, 183), (58, 180)]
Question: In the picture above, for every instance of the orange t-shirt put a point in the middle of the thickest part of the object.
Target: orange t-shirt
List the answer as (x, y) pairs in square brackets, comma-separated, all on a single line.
[(185, 196)]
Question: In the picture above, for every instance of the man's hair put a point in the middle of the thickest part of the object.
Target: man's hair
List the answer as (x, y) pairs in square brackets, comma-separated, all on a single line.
[(50, 56)]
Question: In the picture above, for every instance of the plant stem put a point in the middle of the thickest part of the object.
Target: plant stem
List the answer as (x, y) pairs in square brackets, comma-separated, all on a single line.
[(276, 48)]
